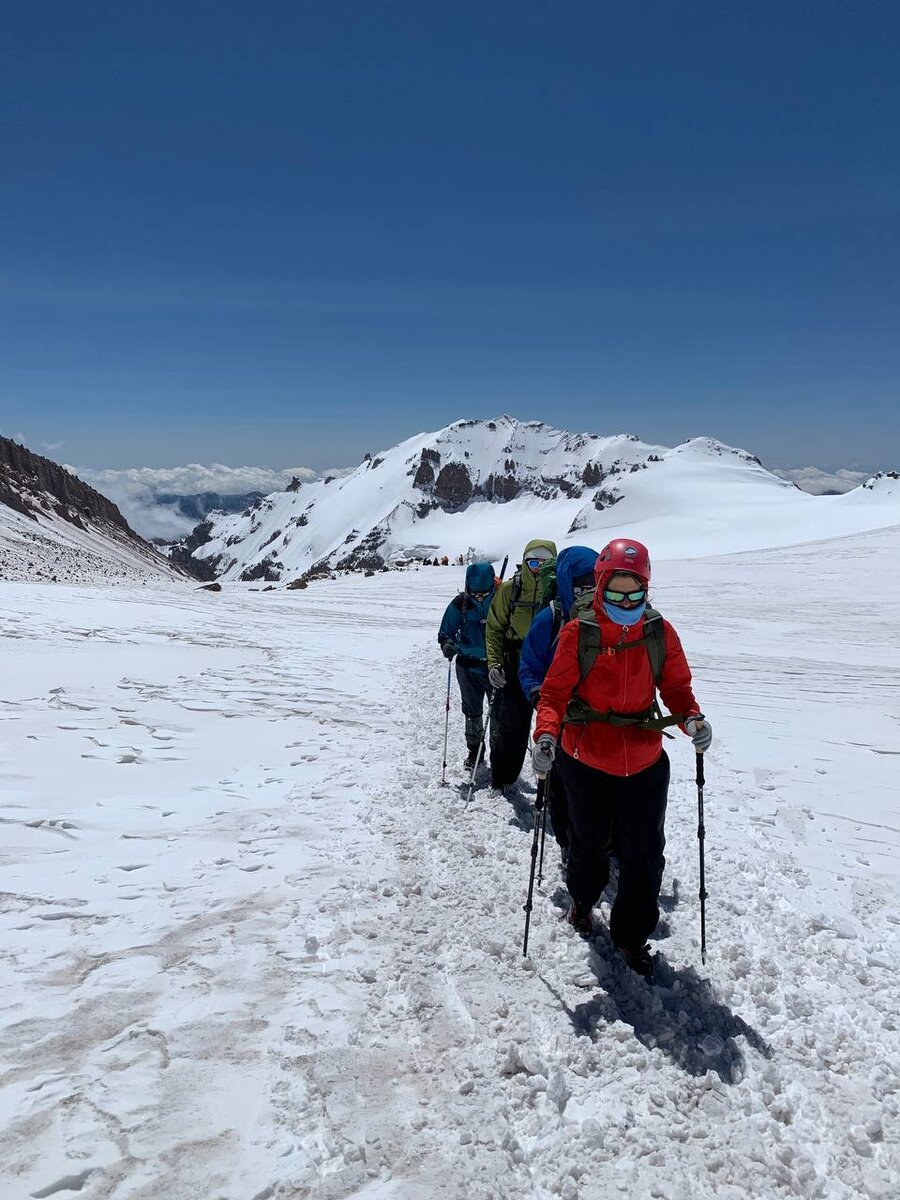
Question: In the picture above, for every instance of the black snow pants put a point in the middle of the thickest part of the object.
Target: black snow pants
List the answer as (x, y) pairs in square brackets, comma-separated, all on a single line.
[(472, 678), (510, 728), (559, 807), (637, 804)]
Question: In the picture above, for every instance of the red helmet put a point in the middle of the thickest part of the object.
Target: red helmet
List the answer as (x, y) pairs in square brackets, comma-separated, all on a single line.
[(623, 555)]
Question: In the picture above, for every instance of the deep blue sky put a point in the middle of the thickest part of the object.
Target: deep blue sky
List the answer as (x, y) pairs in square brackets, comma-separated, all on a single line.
[(289, 232)]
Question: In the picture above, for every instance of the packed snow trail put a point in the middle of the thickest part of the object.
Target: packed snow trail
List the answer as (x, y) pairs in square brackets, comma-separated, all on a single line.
[(764, 1075), (254, 949)]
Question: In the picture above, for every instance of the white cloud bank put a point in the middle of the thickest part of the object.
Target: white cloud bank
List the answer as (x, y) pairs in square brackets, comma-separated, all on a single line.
[(135, 490), (193, 478), (818, 482)]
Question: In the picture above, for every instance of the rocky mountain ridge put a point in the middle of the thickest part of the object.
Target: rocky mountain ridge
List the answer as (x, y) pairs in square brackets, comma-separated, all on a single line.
[(56, 528), (33, 485), (479, 488)]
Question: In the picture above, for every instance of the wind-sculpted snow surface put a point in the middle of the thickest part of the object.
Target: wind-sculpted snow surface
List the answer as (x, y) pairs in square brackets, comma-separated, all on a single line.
[(254, 950)]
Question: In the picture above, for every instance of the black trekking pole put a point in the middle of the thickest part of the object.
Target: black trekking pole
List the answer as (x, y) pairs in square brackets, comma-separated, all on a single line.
[(701, 837), (487, 725), (538, 810), (540, 874), (447, 725)]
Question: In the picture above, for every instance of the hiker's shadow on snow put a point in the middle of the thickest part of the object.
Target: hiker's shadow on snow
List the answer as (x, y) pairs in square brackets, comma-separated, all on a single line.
[(667, 904), (680, 1014), (670, 903), (522, 810)]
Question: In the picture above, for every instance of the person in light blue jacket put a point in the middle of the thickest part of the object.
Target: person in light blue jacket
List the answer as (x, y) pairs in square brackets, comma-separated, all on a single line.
[(574, 597), (462, 634)]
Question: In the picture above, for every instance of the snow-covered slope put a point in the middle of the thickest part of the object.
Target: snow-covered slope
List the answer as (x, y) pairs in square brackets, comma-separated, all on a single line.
[(253, 949), (492, 485), (55, 528)]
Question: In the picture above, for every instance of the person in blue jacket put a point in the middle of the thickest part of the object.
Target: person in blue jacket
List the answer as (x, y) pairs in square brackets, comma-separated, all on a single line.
[(462, 634), (574, 597)]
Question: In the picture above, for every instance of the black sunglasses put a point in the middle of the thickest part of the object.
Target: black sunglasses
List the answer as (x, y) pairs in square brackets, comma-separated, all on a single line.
[(479, 595)]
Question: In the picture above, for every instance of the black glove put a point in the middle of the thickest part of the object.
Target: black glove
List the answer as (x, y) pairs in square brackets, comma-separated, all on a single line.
[(448, 649), (534, 697)]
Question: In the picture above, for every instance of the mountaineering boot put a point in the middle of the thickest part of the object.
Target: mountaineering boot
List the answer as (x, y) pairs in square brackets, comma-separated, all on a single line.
[(579, 917), (639, 959), (472, 756)]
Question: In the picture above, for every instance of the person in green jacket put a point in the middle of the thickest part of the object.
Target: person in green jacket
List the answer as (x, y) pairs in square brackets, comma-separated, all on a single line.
[(514, 607)]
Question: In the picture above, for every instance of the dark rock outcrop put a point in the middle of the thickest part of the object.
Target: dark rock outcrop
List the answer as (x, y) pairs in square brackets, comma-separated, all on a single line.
[(501, 487), (31, 484), (604, 498), (366, 556), (559, 483), (267, 568), (453, 486), (182, 554), (424, 476), (45, 492), (869, 485)]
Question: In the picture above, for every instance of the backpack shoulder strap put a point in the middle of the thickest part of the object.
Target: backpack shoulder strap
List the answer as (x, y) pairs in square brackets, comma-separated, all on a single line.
[(515, 592), (557, 621), (589, 646), (655, 634)]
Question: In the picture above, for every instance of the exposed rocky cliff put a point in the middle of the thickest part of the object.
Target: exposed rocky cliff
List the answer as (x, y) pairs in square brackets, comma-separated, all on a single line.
[(55, 527), (32, 485)]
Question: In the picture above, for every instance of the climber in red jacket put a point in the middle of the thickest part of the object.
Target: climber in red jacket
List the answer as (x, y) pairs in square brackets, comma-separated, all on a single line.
[(600, 694)]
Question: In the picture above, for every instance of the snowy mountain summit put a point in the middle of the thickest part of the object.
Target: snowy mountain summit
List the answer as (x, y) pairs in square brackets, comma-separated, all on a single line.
[(486, 487), (55, 528)]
